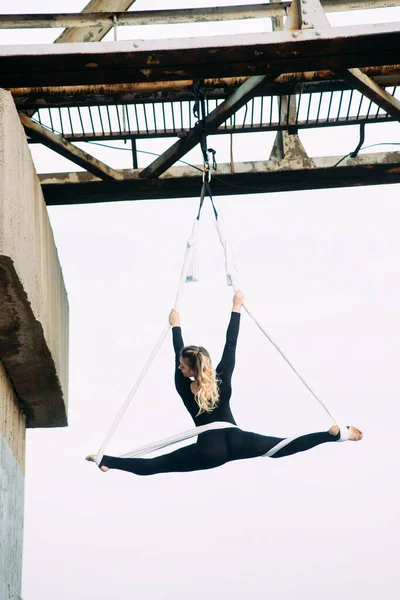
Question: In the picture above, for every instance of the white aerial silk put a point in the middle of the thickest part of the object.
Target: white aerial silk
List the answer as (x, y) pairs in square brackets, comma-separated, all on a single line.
[(189, 272)]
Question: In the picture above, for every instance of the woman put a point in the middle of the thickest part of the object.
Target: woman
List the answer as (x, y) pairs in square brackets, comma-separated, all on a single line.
[(206, 394)]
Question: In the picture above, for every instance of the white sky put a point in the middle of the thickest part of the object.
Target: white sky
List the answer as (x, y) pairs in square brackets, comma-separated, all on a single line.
[(321, 271)]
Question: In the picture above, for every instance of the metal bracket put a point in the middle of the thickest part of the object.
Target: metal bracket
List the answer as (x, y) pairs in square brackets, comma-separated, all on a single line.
[(312, 15), (306, 14)]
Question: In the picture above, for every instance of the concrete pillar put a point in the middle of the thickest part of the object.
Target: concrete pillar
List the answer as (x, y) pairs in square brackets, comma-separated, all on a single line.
[(12, 452), (33, 332)]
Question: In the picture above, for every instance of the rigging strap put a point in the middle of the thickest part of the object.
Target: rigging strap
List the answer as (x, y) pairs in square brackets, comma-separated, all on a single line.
[(232, 279)]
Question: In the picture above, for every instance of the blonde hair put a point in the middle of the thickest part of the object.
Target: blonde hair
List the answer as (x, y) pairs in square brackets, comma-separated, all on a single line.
[(199, 361)]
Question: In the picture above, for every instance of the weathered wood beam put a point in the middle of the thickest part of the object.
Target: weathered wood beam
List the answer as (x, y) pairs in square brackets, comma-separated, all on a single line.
[(68, 150), (96, 33), (248, 178), (89, 19), (220, 114), (369, 88), (199, 58)]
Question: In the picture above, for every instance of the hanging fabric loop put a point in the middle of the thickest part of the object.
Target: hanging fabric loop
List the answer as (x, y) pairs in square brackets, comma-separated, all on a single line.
[(232, 275), (193, 272), (178, 437), (185, 273), (232, 279)]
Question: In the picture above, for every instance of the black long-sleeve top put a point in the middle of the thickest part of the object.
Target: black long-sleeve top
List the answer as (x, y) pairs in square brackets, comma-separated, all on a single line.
[(222, 412)]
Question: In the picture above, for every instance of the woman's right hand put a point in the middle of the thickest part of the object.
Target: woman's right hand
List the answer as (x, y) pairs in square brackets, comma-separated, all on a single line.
[(238, 300), (174, 318)]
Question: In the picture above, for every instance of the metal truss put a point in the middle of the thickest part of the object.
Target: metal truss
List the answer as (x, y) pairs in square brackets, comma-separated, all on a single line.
[(188, 58), (154, 119), (302, 74), (290, 174), (110, 16)]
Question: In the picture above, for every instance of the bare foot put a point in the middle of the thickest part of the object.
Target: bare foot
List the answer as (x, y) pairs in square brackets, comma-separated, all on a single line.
[(91, 458), (354, 434)]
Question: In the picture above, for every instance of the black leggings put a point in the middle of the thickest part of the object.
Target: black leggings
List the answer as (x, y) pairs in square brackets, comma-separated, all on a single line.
[(215, 448)]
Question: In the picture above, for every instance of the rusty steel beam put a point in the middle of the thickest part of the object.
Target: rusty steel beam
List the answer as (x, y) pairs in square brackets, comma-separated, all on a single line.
[(94, 34), (159, 91), (343, 5), (197, 58), (213, 120), (312, 15), (141, 18), (287, 143), (90, 19), (372, 90), (151, 88), (248, 178), (68, 150)]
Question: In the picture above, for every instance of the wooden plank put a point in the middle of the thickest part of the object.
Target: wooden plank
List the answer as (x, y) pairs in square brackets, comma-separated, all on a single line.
[(199, 58), (369, 88), (248, 178), (68, 150)]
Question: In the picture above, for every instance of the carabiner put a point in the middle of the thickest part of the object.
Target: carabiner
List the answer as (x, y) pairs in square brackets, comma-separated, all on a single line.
[(207, 173)]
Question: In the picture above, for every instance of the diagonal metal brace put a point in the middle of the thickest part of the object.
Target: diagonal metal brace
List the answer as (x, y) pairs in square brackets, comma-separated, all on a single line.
[(311, 15), (60, 145), (213, 120)]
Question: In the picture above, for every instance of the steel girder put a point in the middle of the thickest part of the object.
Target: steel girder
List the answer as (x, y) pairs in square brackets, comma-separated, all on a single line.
[(181, 59), (250, 63), (244, 178)]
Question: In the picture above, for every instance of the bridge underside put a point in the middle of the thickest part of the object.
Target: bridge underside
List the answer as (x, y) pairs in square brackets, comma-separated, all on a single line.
[(301, 74)]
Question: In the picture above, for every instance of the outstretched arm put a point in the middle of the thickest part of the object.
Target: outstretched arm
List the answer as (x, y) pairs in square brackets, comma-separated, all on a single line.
[(227, 364), (177, 340)]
